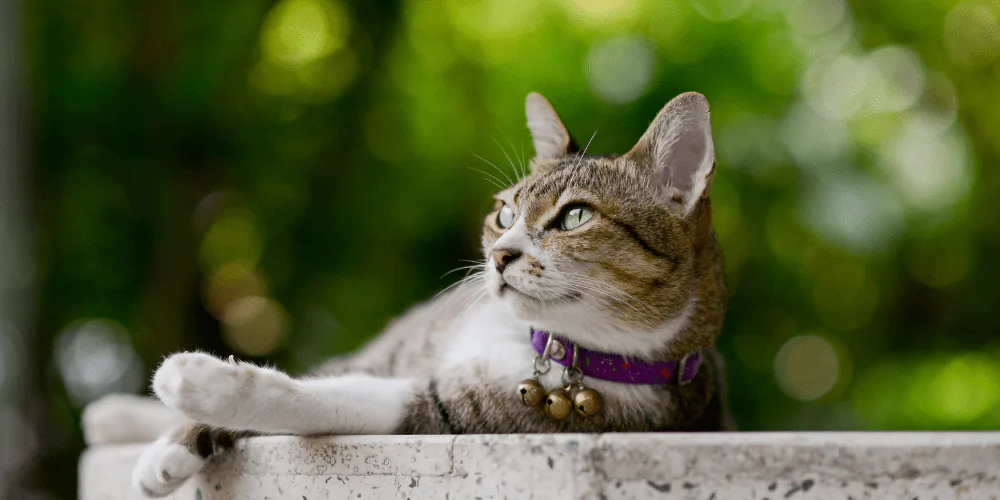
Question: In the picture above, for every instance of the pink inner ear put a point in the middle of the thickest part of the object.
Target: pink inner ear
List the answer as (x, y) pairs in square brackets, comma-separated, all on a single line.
[(548, 134), (678, 147), (679, 161)]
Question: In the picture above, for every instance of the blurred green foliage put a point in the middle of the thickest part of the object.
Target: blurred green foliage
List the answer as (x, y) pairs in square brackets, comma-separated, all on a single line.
[(280, 179)]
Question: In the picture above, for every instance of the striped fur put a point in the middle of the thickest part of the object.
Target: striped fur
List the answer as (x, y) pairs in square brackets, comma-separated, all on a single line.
[(642, 277)]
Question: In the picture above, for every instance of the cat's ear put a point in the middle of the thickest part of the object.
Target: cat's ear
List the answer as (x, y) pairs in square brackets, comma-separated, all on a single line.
[(548, 133), (678, 147)]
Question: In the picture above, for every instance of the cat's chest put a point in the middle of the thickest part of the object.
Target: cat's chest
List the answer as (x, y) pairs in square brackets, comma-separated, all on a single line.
[(492, 346), (489, 343)]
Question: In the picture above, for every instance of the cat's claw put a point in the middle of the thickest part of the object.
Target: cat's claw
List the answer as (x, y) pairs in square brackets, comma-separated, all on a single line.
[(164, 467), (202, 387)]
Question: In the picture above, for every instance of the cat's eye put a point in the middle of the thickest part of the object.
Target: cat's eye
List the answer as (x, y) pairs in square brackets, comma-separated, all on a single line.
[(506, 217), (575, 217)]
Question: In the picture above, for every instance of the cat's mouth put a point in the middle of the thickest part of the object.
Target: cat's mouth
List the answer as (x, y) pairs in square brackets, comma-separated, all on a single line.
[(562, 299)]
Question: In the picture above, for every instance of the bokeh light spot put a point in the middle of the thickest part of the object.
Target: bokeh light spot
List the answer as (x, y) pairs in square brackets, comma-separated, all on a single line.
[(305, 52), (233, 237), (669, 23), (95, 357), (254, 326), (620, 70), (602, 13), (897, 79), (813, 140), (720, 10), (931, 170), (940, 263), (838, 88), (751, 143), (298, 32), (937, 110), (318, 82), (962, 390), (815, 17), (211, 206), (807, 367), (971, 35), (853, 212), (493, 19), (228, 283), (936, 391)]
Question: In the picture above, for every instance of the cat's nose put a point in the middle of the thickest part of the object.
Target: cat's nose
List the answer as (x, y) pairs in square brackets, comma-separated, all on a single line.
[(502, 257)]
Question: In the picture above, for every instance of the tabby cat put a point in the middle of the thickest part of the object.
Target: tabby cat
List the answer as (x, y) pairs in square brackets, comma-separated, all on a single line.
[(615, 256)]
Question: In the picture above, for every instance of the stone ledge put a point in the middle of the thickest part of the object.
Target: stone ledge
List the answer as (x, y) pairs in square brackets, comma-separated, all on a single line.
[(808, 465)]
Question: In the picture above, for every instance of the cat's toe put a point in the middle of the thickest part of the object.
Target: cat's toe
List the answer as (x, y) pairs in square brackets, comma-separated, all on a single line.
[(164, 467), (202, 387)]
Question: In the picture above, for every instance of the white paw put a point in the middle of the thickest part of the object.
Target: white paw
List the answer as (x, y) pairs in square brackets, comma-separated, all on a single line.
[(164, 467), (203, 388)]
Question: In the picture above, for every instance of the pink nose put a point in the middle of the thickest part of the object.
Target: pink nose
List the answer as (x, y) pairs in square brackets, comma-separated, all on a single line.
[(502, 257)]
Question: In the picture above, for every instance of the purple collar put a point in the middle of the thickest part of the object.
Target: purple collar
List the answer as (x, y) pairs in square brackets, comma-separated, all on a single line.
[(617, 368)]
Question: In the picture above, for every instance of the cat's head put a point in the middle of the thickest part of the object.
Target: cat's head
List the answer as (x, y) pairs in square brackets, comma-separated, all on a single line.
[(614, 251)]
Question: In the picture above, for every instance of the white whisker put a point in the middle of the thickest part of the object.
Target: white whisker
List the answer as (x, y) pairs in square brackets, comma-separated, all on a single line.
[(583, 284), (474, 266), (585, 148), (497, 168), (490, 177), (520, 159)]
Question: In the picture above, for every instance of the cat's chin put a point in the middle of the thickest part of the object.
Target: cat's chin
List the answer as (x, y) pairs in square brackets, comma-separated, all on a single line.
[(538, 311), (523, 307), (513, 294)]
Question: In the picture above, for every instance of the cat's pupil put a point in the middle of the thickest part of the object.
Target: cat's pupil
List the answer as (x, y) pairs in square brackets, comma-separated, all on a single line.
[(575, 217)]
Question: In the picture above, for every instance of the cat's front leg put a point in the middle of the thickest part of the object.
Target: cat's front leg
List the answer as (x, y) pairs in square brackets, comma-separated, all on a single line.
[(247, 397)]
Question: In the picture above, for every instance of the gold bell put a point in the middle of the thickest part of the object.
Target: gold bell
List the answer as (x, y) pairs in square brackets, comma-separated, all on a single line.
[(588, 402), (558, 405), (532, 393)]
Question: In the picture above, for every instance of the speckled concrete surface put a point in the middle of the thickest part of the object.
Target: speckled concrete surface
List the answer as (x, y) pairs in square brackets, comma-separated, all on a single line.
[(610, 466)]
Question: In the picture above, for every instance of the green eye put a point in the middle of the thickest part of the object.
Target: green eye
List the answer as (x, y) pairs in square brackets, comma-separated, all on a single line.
[(576, 217), (506, 217)]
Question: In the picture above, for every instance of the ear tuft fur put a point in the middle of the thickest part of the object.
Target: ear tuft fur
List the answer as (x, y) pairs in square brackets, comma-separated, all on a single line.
[(678, 146)]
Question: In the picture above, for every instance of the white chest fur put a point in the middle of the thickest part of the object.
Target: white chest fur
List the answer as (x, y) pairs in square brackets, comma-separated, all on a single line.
[(490, 341), (491, 345)]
